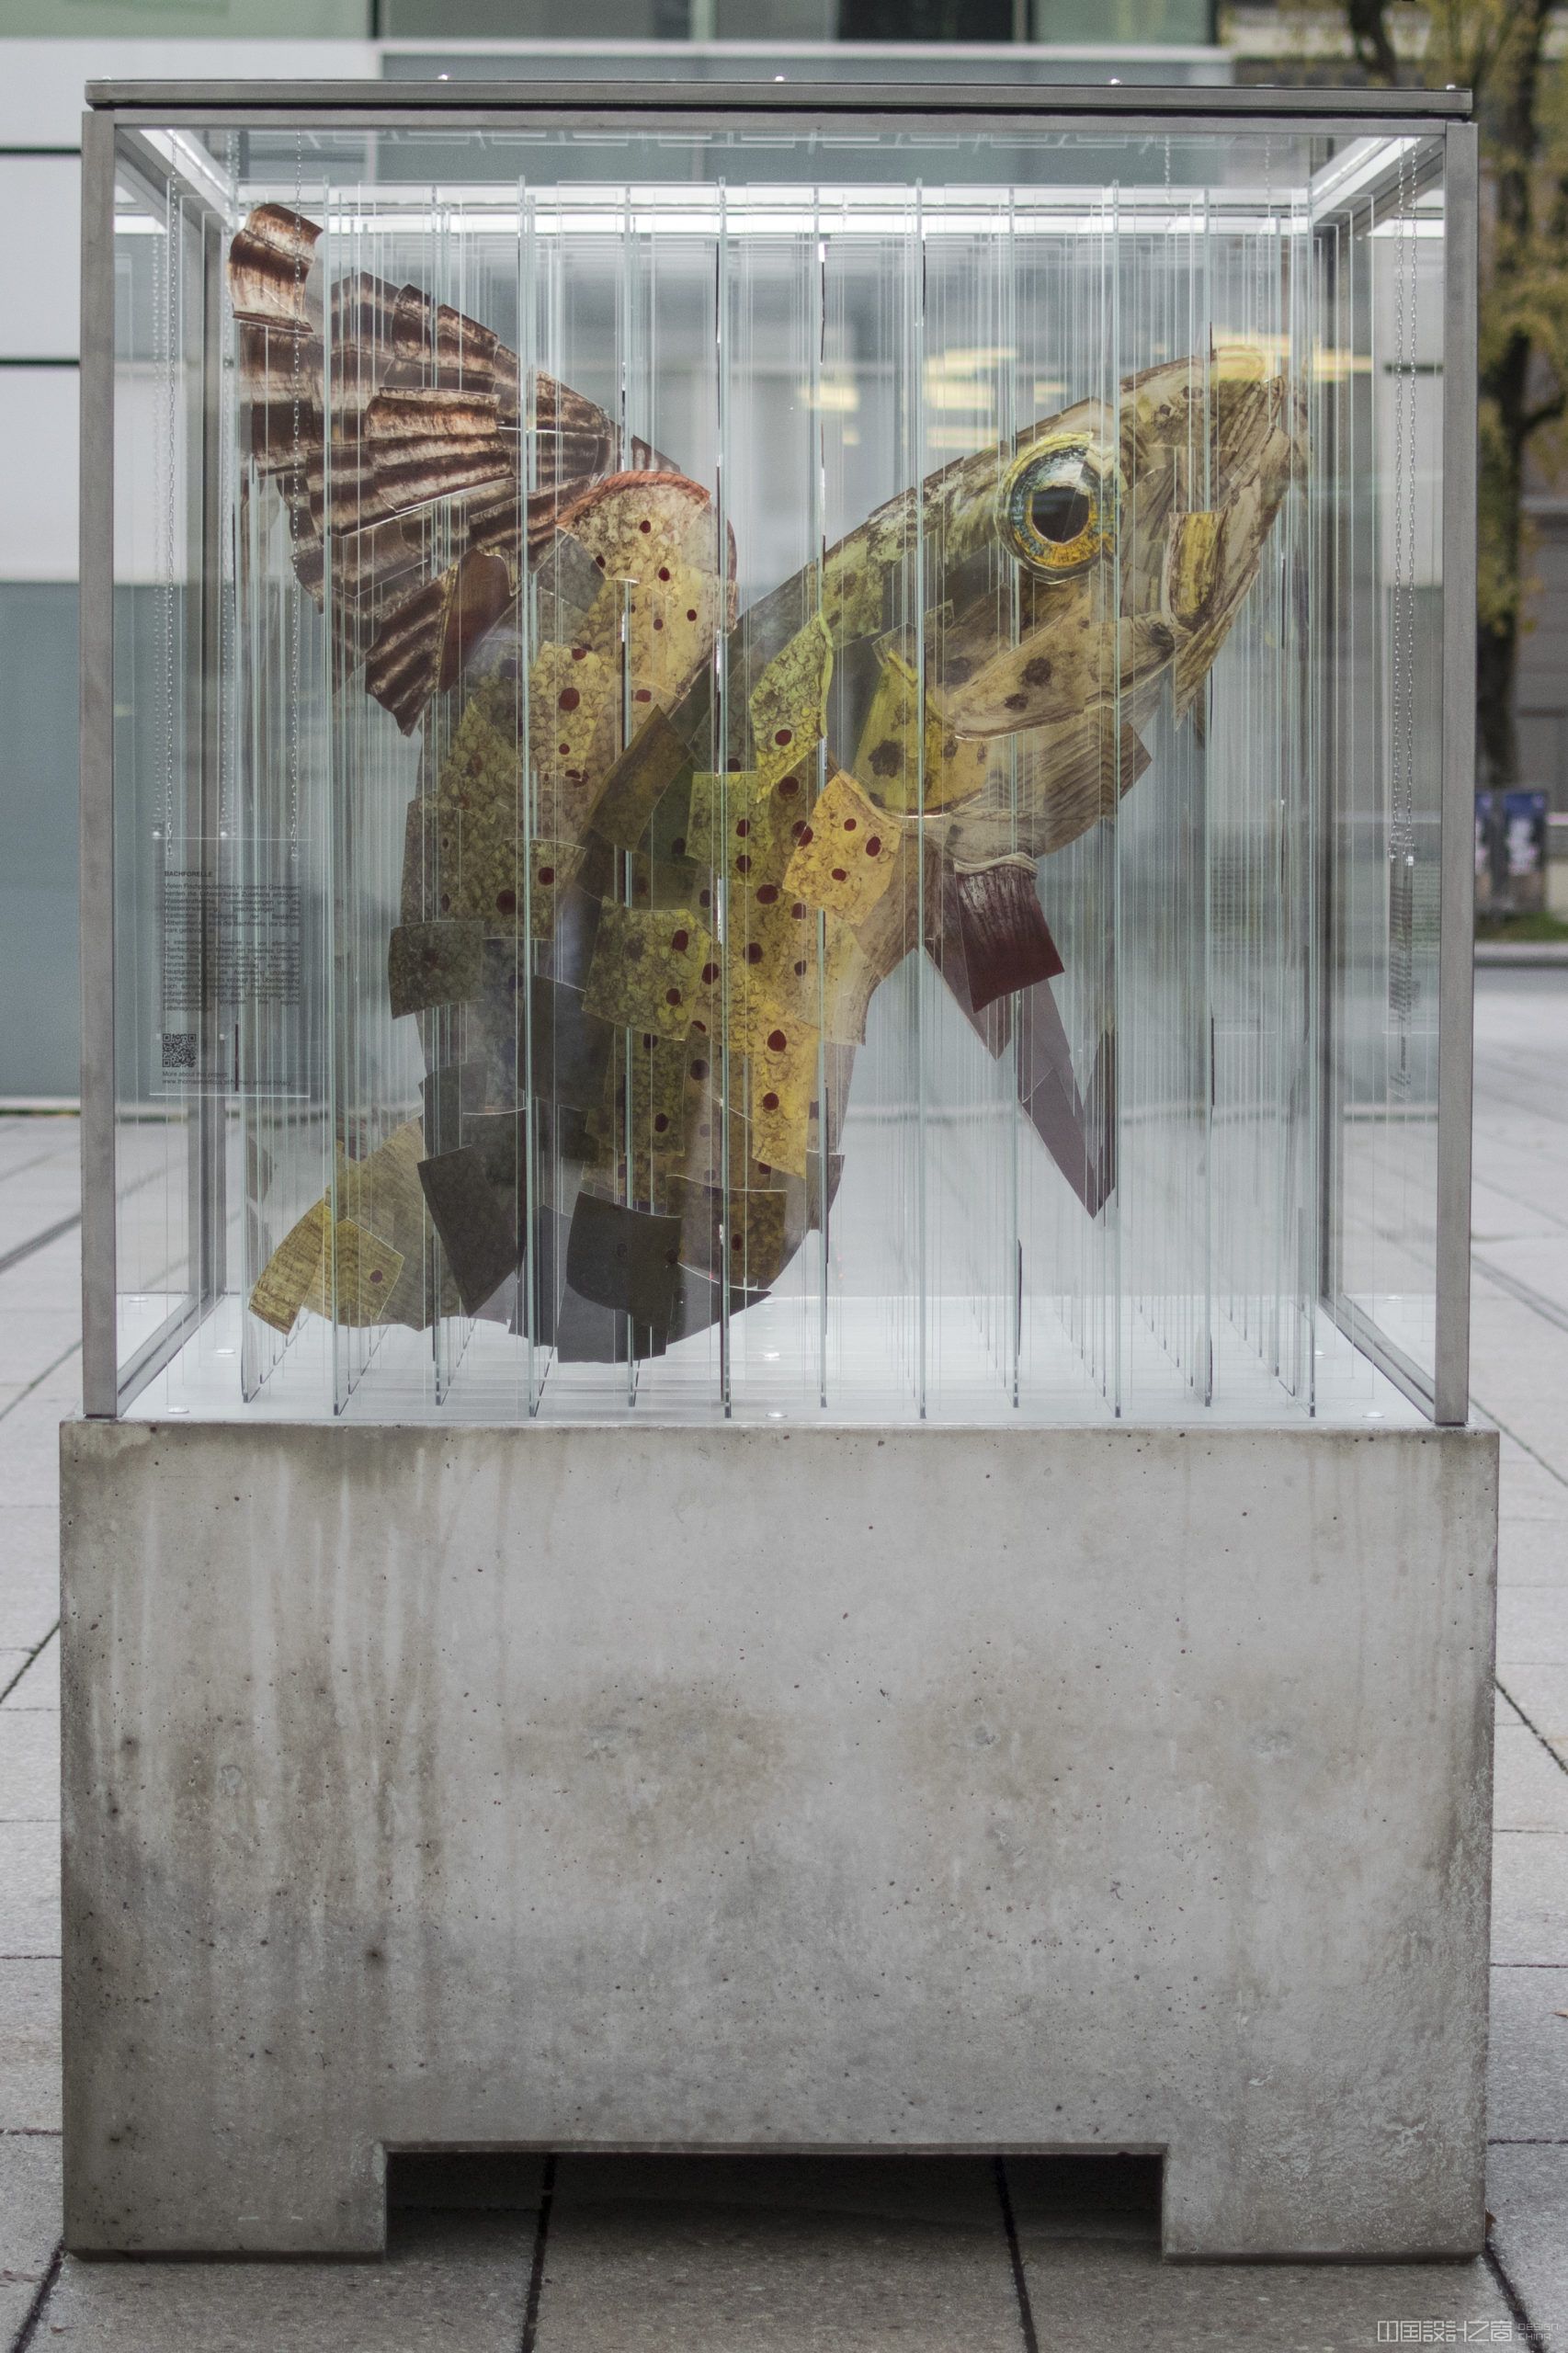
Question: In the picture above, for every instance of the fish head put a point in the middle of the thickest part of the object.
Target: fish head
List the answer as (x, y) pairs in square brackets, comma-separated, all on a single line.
[(1072, 567)]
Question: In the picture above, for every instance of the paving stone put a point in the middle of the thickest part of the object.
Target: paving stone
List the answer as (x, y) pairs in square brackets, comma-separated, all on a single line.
[(29, 2220), (1527, 1489), (1526, 2190), (1538, 1258), (1123, 2298), (1530, 1897), (29, 2046), (1497, 1215), (29, 1890), (48, 1281), (708, 2255), (29, 1765), (35, 1337), (1540, 1696), (63, 1387), (1533, 1551), (1532, 1626), (1527, 2096), (30, 1603), (452, 2283), (39, 1683), (1530, 1785), (30, 1453)]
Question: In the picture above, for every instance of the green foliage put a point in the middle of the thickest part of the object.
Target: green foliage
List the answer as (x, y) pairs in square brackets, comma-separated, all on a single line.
[(1498, 48), (1523, 931)]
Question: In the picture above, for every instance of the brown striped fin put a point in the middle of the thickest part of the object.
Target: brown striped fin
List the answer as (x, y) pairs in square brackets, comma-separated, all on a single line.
[(425, 640), (423, 446), (269, 266)]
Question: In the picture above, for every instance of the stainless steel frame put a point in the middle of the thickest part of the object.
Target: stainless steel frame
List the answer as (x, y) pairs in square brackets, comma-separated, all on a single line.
[(100, 1289), (1457, 966), (119, 106)]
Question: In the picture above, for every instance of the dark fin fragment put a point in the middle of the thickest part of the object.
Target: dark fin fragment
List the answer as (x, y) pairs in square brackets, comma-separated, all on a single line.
[(476, 1230), (570, 1048), (480, 595), (1006, 940), (624, 1259), (451, 1090), (1080, 1138), (434, 963)]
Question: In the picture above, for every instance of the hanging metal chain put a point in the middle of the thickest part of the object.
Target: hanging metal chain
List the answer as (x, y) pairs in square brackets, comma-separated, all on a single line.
[(1402, 694), (164, 314), (301, 495)]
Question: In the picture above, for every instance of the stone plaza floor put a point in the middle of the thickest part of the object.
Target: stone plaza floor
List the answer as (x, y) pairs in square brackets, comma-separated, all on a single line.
[(641, 2255)]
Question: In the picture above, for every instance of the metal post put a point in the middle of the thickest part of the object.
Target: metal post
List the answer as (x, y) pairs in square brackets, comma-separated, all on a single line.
[(1456, 970), (99, 1286)]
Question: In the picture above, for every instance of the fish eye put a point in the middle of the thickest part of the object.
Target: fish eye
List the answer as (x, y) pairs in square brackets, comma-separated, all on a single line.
[(1058, 504)]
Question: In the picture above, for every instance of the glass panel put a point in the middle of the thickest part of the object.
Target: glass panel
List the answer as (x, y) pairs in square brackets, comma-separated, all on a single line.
[(1378, 431), (764, 730)]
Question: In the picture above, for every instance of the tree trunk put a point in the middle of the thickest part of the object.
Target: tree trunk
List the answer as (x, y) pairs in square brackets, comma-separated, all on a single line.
[(1497, 658)]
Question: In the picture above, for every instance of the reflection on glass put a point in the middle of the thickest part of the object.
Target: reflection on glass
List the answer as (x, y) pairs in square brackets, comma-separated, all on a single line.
[(821, 793)]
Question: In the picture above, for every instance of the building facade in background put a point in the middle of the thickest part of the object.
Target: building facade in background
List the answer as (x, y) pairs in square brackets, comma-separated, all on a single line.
[(42, 78)]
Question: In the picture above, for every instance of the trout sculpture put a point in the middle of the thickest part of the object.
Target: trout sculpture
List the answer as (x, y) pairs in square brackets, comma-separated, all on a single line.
[(663, 853)]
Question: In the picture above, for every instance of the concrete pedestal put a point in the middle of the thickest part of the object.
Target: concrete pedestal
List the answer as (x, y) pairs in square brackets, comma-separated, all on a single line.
[(769, 1789)]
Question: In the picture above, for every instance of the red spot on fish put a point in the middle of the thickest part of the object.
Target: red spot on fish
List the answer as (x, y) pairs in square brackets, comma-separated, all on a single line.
[(777, 1041), (771, 1101), (570, 698)]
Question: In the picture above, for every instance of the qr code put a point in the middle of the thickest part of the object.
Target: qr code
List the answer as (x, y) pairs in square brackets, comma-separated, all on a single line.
[(180, 1050)]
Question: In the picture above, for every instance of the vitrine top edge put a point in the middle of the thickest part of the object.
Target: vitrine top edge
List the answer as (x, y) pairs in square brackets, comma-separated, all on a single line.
[(144, 100)]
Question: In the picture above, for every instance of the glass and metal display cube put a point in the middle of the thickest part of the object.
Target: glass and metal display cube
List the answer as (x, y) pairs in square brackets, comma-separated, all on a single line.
[(777, 835), (779, 756)]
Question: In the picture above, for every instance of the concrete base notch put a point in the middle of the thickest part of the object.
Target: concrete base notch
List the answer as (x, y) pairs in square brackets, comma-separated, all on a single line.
[(765, 1789)]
